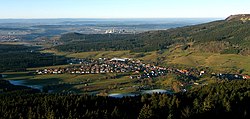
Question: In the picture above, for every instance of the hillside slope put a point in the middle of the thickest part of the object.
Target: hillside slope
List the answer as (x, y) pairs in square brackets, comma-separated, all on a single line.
[(226, 36)]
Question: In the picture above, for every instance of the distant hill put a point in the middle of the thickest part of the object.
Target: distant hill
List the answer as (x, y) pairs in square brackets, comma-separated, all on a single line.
[(225, 36)]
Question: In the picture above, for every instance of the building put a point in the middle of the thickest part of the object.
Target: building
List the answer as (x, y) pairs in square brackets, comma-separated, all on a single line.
[(246, 77), (119, 59)]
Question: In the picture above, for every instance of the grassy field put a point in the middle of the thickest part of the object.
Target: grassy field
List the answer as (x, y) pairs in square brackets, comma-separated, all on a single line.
[(218, 62), (94, 54), (100, 54), (96, 82), (149, 56), (55, 52), (57, 66)]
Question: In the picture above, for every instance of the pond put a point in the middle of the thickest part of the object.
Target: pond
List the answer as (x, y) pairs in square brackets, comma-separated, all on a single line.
[(161, 91), (22, 83), (121, 95)]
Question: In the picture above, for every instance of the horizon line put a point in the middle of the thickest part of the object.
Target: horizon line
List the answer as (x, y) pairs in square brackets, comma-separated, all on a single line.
[(118, 18)]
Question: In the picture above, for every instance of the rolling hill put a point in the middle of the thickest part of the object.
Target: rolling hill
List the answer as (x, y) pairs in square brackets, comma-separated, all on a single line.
[(229, 36)]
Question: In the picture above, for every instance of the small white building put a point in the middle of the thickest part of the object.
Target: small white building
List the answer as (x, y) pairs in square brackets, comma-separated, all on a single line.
[(119, 59)]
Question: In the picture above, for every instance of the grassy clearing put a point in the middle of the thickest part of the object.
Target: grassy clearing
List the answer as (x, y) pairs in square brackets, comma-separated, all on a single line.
[(107, 85), (218, 62), (15, 43), (55, 52), (48, 67), (149, 56), (93, 54)]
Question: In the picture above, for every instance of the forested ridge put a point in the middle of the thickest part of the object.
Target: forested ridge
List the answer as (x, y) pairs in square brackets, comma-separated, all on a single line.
[(20, 57), (232, 35), (222, 100)]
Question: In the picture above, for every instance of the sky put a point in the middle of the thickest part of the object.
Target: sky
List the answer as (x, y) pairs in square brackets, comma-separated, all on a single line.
[(122, 8)]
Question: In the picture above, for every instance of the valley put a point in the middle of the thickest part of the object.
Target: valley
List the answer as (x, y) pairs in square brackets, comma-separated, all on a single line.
[(193, 71), (173, 59)]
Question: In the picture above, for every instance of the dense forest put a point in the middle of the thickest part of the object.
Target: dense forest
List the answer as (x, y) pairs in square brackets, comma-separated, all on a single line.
[(231, 36), (76, 42), (7, 87), (222, 100), (19, 57)]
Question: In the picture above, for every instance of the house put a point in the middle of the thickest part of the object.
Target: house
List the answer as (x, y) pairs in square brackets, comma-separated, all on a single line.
[(202, 72), (119, 59), (183, 71), (195, 83), (246, 77), (133, 77), (40, 72), (229, 76), (78, 72)]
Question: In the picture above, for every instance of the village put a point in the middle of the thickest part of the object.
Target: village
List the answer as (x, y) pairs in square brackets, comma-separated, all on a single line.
[(104, 65), (136, 68)]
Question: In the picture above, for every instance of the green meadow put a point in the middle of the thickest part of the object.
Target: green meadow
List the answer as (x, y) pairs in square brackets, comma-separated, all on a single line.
[(74, 82)]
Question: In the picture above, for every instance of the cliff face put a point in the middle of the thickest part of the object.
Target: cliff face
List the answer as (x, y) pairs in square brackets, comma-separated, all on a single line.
[(242, 17)]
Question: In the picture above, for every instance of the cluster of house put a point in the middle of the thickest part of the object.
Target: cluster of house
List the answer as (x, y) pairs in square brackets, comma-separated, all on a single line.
[(116, 31), (8, 38), (149, 71), (231, 76), (189, 72), (138, 69), (103, 65)]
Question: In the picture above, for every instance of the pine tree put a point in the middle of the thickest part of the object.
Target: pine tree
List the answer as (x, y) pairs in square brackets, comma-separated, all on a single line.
[(146, 112), (115, 113)]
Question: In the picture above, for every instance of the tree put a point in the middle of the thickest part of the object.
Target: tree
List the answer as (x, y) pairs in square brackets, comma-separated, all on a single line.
[(115, 113), (186, 112), (146, 112)]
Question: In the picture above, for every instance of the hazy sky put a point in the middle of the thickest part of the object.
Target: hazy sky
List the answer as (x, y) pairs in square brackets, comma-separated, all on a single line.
[(121, 8)]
